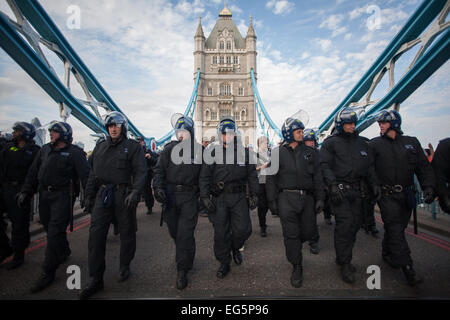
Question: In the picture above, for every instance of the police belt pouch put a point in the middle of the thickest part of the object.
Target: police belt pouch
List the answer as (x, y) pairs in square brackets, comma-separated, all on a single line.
[(108, 195)]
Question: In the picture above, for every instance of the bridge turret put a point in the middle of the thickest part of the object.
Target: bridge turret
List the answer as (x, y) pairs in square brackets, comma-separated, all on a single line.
[(250, 44), (199, 50)]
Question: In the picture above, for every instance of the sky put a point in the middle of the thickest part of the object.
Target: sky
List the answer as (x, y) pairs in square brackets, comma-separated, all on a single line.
[(310, 55)]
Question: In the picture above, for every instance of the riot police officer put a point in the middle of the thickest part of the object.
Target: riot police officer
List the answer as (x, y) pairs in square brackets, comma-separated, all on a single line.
[(56, 166), (310, 140), (176, 187), (15, 159), (227, 171), (115, 183), (441, 165), (151, 159), (397, 159), (347, 163), (292, 192), (263, 162)]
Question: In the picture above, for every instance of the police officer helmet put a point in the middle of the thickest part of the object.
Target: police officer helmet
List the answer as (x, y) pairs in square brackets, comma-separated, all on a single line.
[(391, 116), (64, 129), (288, 128), (117, 119), (309, 135), (226, 125), (27, 129), (185, 123), (345, 115)]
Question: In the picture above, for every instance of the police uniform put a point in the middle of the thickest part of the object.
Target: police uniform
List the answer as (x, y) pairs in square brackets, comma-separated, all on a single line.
[(14, 165), (179, 183), (52, 173), (441, 165), (118, 170), (227, 181), (148, 195)]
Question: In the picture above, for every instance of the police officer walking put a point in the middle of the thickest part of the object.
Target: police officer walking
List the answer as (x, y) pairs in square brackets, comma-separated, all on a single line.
[(15, 159), (263, 162), (292, 192), (176, 187), (441, 165), (347, 163), (397, 159), (56, 166), (151, 159), (310, 140), (226, 173), (116, 180)]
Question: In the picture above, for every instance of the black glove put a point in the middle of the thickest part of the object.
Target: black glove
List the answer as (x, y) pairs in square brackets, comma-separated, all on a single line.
[(428, 195), (319, 206), (253, 201), (22, 198), (273, 207), (89, 204), (376, 190), (132, 200), (336, 194), (209, 205), (160, 195)]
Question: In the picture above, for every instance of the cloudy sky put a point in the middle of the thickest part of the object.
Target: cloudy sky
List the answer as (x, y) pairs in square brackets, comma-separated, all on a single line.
[(310, 55)]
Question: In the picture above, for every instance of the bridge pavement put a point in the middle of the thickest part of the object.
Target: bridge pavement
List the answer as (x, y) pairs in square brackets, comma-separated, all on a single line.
[(264, 273)]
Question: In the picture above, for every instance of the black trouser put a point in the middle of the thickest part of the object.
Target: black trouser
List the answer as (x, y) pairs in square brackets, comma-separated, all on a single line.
[(297, 221), (369, 213), (395, 215), (327, 209), (348, 215), (20, 218), (232, 224), (262, 205), (148, 195), (4, 242), (55, 213), (181, 221), (315, 235), (101, 218)]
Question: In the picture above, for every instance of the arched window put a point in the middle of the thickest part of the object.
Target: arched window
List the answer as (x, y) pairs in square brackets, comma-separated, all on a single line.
[(207, 114), (221, 45), (243, 114)]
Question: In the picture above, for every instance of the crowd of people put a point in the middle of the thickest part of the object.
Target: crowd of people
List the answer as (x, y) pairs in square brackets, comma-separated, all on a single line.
[(223, 180)]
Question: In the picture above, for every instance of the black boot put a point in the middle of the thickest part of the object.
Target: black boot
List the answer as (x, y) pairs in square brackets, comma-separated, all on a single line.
[(411, 276), (149, 210), (237, 257), (95, 286), (374, 232), (388, 259), (348, 273), (124, 274), (43, 282), (182, 280), (314, 247), (17, 261), (297, 276), (263, 232), (223, 270)]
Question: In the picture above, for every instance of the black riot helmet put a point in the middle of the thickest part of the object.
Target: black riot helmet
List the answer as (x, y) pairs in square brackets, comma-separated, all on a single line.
[(117, 119)]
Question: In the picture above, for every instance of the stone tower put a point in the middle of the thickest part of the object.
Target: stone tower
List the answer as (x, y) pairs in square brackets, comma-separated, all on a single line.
[(225, 89)]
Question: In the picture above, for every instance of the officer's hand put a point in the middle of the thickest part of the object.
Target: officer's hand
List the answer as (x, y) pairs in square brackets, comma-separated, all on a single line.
[(336, 195), (160, 195), (132, 200), (273, 207), (376, 189), (428, 195), (209, 205), (21, 199), (253, 201), (319, 206)]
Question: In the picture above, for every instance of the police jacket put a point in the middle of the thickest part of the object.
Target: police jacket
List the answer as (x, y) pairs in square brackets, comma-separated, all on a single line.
[(56, 168), (347, 158), (15, 161), (120, 162), (185, 172), (298, 169), (238, 170), (396, 161), (151, 162), (441, 165)]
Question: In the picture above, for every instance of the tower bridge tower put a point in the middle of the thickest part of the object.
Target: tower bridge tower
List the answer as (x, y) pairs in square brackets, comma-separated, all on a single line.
[(225, 59)]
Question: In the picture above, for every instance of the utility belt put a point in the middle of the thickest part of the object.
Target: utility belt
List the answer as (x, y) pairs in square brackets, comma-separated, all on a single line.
[(184, 188), (349, 186), (102, 183), (389, 190), (13, 183), (52, 188), (298, 191), (234, 187)]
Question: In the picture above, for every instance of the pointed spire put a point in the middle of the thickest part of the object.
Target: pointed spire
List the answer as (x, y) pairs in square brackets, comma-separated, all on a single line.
[(225, 12), (251, 31), (199, 32)]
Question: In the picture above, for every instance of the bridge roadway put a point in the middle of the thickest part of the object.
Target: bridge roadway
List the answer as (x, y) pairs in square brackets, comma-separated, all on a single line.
[(264, 273)]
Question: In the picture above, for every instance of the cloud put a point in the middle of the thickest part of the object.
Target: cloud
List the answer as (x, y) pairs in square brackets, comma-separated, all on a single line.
[(280, 7), (324, 44)]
